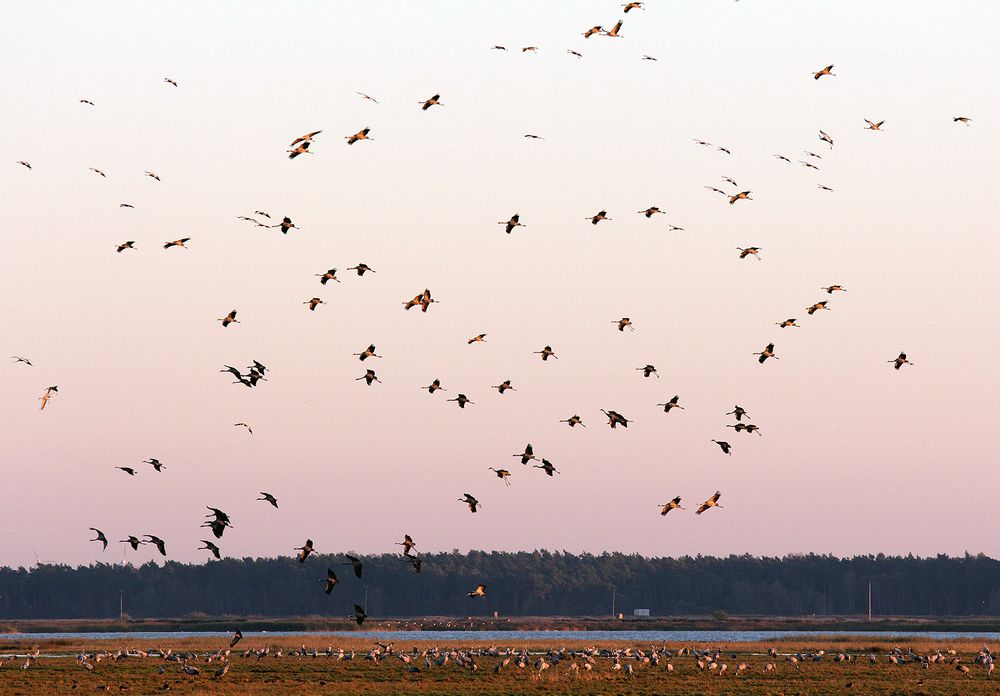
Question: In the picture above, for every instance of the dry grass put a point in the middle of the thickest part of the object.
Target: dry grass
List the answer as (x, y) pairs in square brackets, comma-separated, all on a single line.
[(307, 675)]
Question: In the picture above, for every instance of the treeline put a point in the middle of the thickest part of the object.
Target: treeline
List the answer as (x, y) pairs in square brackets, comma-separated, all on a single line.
[(538, 583)]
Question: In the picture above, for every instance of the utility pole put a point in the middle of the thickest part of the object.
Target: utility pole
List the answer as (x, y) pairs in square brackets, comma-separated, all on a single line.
[(121, 605), (869, 601), (614, 593)]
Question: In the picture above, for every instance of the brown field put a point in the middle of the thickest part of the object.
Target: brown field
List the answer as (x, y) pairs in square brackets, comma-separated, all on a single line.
[(308, 675)]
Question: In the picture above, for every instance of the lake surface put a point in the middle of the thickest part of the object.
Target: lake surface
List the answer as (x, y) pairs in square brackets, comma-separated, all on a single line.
[(511, 637)]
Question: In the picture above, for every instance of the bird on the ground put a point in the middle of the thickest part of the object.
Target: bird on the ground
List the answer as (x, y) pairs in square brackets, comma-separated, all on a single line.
[(244, 425), (360, 135), (830, 289), (330, 582), (873, 126), (369, 377), (478, 338), (574, 421), (545, 466), (355, 563), (615, 419), (128, 470), (623, 322), (177, 243), (100, 537), (434, 386), (527, 455), (613, 33), (407, 543), (502, 474), (359, 614), (49, 393), (305, 550), (504, 386), (824, 71), (470, 500), (19, 359), (229, 319), (900, 361), (962, 119), (209, 546), (648, 370), (601, 215), (130, 244), (671, 404), (170, 81), (787, 323), (98, 171), (462, 400), (826, 138), (132, 541), (313, 303), (546, 353), (749, 251), (480, 591), (155, 463), (593, 30), (651, 211), (724, 446), (816, 307), (674, 504), (368, 352), (710, 503), (515, 221), (433, 101), (768, 352), (741, 196), (268, 498)]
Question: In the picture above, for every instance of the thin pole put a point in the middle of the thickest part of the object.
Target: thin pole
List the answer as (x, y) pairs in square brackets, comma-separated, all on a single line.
[(614, 592), (121, 605), (869, 601)]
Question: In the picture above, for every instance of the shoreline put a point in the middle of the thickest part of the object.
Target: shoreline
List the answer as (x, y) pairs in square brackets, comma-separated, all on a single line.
[(308, 624)]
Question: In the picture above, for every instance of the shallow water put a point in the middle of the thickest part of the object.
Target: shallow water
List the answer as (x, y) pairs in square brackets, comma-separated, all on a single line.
[(513, 637)]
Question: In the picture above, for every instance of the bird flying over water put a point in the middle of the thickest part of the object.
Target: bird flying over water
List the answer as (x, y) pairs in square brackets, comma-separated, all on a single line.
[(480, 591)]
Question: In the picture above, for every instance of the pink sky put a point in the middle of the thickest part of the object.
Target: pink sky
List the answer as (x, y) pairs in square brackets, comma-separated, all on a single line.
[(854, 458)]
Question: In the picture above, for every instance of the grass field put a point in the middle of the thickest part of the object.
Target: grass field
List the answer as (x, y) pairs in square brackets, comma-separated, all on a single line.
[(315, 675)]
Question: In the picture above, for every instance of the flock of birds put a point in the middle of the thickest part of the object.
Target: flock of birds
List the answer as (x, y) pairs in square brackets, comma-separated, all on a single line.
[(256, 372), (590, 662)]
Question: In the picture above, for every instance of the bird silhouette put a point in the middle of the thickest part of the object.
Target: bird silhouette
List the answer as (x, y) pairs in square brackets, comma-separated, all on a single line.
[(100, 537), (710, 503), (470, 500)]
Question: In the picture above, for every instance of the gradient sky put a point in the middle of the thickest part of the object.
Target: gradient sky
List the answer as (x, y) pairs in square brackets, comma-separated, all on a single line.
[(855, 457)]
